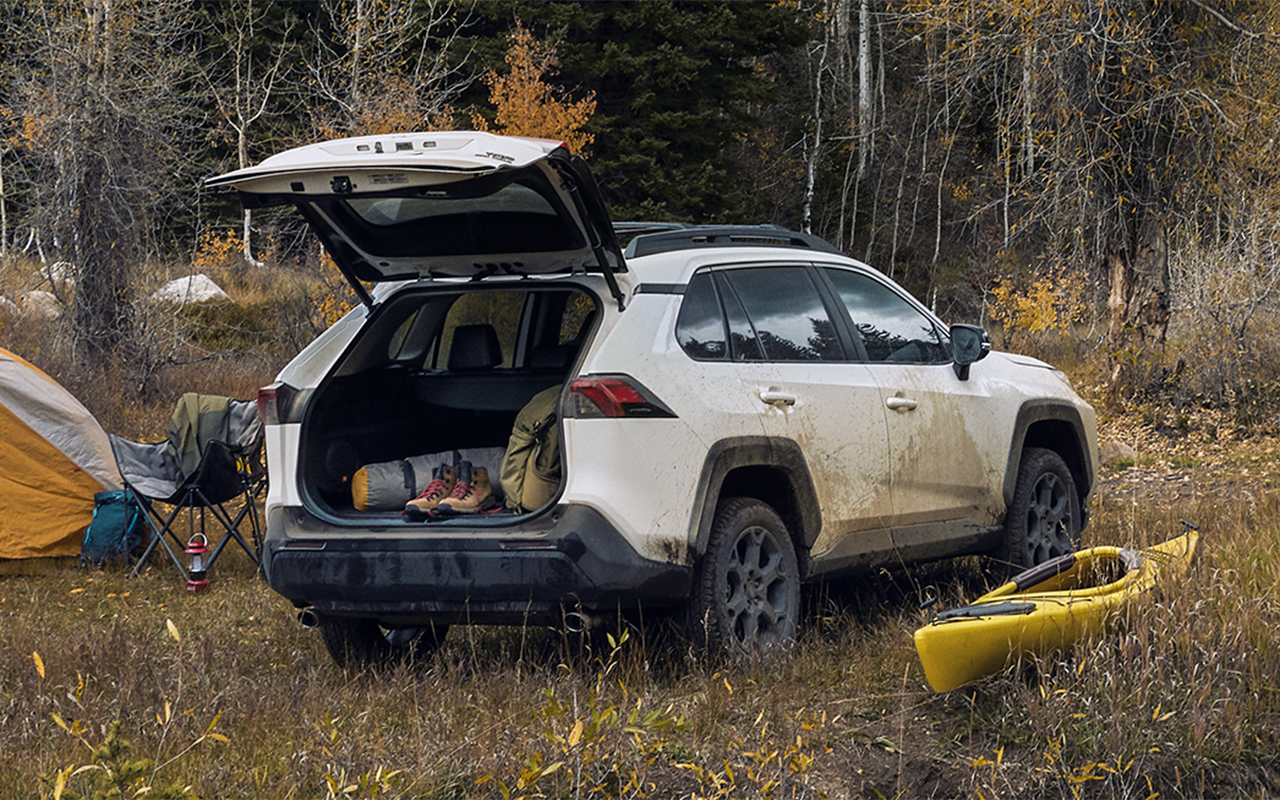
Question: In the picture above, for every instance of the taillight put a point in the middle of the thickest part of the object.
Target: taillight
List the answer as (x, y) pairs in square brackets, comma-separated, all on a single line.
[(611, 396), (267, 404), (280, 403)]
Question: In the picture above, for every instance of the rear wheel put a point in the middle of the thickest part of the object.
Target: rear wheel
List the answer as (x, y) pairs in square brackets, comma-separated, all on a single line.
[(747, 597), (1043, 521), (363, 642)]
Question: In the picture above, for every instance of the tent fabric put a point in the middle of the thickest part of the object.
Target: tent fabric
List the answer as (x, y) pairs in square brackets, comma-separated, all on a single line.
[(54, 457)]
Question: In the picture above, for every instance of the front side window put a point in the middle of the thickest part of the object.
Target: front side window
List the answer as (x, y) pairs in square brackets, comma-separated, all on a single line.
[(892, 329)]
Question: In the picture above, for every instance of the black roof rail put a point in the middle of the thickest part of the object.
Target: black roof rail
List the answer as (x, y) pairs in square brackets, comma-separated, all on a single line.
[(626, 231), (680, 236)]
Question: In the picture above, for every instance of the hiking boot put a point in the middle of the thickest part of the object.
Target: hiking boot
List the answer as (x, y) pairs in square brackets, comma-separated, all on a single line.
[(473, 492), (443, 480)]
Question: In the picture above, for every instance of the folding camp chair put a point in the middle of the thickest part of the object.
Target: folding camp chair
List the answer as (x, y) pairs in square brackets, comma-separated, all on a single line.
[(211, 458)]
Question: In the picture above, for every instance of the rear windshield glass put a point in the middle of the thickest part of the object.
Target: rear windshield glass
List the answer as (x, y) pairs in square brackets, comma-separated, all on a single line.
[(514, 218), (387, 211)]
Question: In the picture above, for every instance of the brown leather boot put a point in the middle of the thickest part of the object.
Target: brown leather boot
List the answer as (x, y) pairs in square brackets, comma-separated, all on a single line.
[(443, 480), (473, 492)]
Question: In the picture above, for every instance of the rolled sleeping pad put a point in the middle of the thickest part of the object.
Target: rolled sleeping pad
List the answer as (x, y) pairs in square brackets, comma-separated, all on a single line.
[(388, 485)]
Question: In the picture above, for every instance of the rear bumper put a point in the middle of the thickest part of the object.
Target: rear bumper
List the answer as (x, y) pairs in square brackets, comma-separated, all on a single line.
[(569, 558)]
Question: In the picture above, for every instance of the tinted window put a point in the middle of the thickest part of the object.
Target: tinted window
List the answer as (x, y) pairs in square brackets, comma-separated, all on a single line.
[(700, 326), (891, 328), (577, 312), (387, 211), (743, 344), (481, 215), (788, 316)]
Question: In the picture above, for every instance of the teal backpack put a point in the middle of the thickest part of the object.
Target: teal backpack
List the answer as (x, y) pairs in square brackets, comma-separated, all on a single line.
[(115, 533)]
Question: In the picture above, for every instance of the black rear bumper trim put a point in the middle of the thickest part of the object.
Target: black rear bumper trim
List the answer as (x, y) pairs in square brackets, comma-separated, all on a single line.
[(580, 561)]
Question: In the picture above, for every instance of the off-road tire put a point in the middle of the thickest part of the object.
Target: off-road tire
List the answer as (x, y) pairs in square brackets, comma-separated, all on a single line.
[(357, 643), (1043, 521), (747, 595)]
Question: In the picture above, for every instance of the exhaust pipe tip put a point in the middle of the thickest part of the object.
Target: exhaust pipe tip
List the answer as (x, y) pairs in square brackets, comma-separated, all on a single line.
[(308, 618)]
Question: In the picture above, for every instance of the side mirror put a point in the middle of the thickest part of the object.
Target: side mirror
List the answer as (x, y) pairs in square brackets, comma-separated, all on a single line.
[(969, 344)]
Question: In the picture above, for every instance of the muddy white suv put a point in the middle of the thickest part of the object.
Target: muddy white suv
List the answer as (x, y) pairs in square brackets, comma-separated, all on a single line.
[(741, 409)]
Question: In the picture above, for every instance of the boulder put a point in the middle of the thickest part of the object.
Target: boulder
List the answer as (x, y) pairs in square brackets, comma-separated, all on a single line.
[(191, 289), (58, 273), (1109, 452), (39, 304)]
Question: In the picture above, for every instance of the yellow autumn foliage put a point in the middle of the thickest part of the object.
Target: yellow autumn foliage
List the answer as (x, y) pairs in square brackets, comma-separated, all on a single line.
[(335, 298), (1050, 303), (217, 249), (527, 105)]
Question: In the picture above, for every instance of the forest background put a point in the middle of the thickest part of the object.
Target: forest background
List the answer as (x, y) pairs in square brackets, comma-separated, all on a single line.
[(1092, 180)]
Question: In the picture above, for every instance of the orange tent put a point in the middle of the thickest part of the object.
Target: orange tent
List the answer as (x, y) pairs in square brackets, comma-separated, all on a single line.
[(54, 456)]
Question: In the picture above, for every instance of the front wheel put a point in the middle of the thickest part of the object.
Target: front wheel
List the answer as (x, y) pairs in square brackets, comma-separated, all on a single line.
[(1043, 521), (359, 643), (747, 596)]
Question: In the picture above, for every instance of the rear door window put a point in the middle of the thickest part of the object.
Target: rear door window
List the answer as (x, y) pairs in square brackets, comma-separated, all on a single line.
[(791, 322)]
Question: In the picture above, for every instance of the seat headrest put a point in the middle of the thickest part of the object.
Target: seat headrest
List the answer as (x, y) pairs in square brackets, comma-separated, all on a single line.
[(474, 347)]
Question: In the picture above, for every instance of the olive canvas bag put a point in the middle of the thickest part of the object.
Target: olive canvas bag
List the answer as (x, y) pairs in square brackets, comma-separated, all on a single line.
[(531, 466)]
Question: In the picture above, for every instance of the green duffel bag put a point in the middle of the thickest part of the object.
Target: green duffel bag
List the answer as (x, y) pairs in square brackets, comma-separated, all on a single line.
[(531, 466)]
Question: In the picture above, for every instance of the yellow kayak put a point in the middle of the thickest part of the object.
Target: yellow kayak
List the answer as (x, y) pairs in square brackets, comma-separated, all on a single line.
[(1046, 608)]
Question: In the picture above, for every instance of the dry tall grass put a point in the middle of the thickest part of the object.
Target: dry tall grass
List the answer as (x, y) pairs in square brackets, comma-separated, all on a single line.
[(120, 687), (235, 699), (227, 348)]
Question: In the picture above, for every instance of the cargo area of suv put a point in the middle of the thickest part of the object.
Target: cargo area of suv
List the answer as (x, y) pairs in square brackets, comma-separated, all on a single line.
[(435, 372)]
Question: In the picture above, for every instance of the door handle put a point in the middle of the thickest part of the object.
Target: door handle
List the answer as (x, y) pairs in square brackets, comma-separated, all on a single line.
[(776, 397), (900, 403)]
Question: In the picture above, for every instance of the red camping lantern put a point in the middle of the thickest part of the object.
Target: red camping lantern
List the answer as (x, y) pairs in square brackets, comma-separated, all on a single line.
[(197, 548)]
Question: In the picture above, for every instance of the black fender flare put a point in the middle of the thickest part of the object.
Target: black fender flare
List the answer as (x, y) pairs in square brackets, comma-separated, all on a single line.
[(780, 454), (1074, 452)]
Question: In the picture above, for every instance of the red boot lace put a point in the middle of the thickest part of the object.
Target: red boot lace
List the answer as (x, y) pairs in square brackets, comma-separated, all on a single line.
[(434, 488)]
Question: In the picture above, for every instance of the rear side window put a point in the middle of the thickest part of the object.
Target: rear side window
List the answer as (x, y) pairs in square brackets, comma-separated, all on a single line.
[(743, 343), (700, 326), (892, 329), (577, 314)]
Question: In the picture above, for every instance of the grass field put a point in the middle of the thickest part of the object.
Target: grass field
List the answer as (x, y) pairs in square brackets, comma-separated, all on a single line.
[(118, 687), (110, 686)]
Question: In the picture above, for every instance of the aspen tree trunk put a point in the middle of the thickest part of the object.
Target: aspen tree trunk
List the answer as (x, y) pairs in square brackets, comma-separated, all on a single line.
[(4, 216), (242, 151), (864, 89), (811, 156), (1028, 114)]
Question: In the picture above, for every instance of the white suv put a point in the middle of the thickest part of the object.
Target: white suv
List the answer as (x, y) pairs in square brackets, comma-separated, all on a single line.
[(741, 409)]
